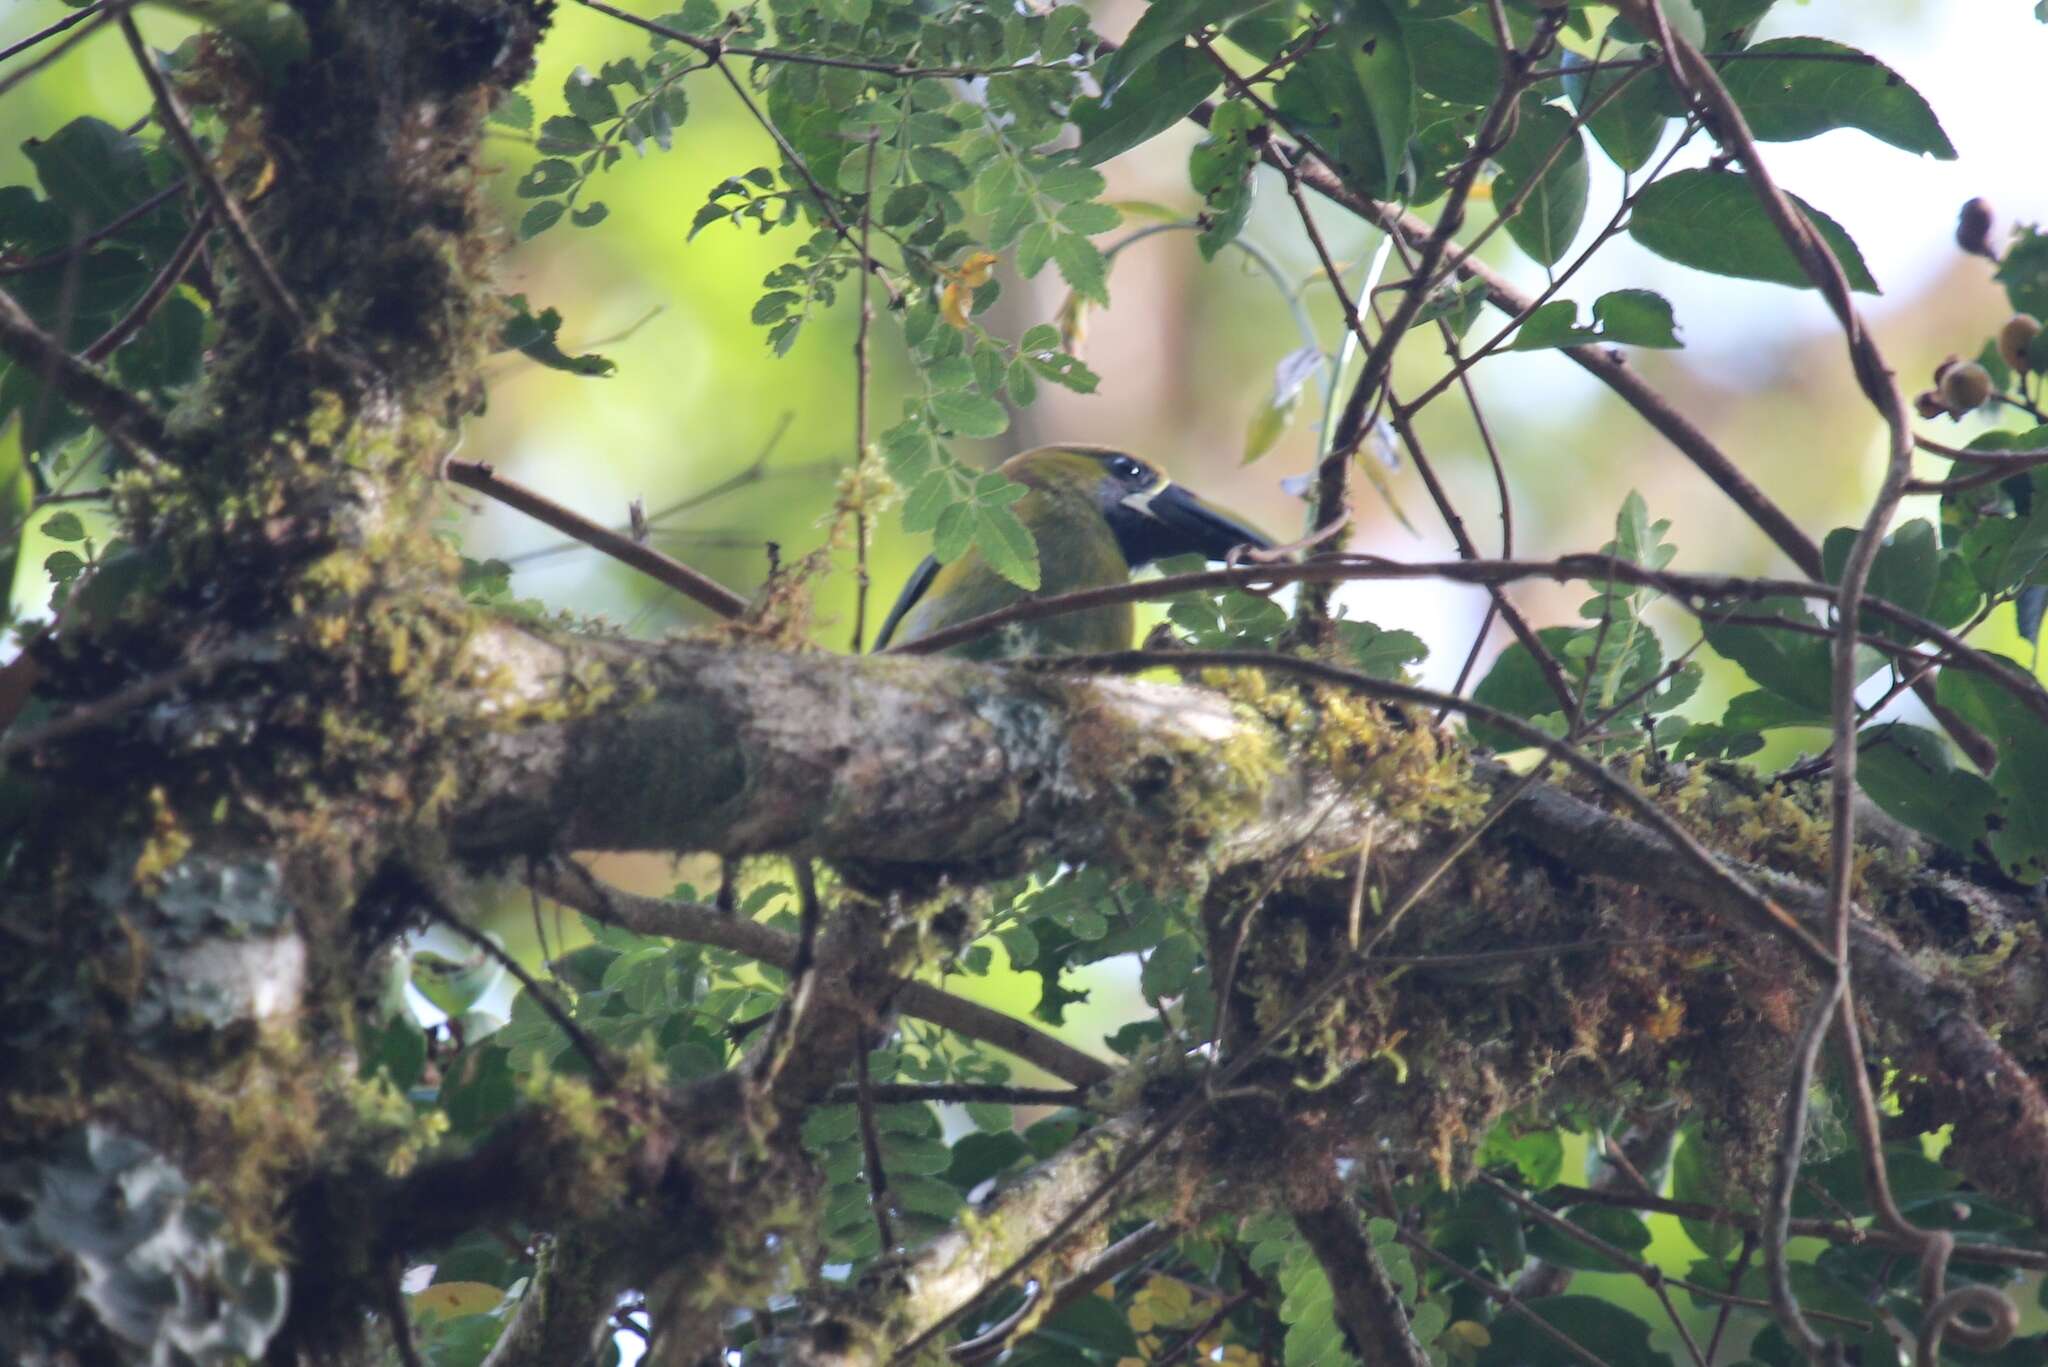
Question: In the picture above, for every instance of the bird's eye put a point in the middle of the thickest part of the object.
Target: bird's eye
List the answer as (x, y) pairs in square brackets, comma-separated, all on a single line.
[(1123, 467)]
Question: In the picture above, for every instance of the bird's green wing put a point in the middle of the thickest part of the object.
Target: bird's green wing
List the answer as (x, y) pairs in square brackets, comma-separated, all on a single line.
[(920, 580)]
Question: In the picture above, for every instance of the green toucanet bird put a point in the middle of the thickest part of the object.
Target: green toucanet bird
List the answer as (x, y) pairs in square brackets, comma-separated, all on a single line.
[(1097, 515)]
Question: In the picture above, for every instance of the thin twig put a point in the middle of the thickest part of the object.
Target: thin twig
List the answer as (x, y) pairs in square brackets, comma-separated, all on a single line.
[(97, 235), (866, 263), (401, 1320), (119, 703), (1502, 1297), (574, 886), (1494, 130), (98, 20), (152, 298), (1112, 1262), (1649, 1274), (225, 207), (435, 900), (802, 965), (860, 415), (871, 1150), (898, 1093), (1721, 1316), (1699, 594), (716, 48), (1701, 85), (697, 587), (1461, 367), (77, 17), (1188, 1341), (1546, 663)]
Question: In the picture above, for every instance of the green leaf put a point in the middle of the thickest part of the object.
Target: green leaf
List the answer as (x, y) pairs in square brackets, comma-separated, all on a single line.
[(1538, 1155), (1601, 1327), (1728, 22), (1164, 24), (1082, 266), (1092, 1326), (2020, 839), (931, 496), (1555, 324), (1698, 1175), (1903, 574), (1710, 220), (1071, 183), (969, 414), (1169, 967), (590, 215), (563, 136), (1794, 665), (64, 527), (548, 176), (2004, 552), (1636, 318), (1907, 771), (168, 350), (1622, 1228), (1308, 1308), (1956, 594), (1006, 543), (1220, 169), (536, 335), (95, 173), (1089, 218), (588, 98), (541, 217), (938, 167), (1787, 95), (1154, 99), (1378, 652), (1629, 105), (1550, 203), (953, 533), (1454, 63), (514, 111), (1034, 249), (63, 566), (1369, 34), (1458, 304), (696, 17), (1516, 686), (2024, 272), (479, 1089)]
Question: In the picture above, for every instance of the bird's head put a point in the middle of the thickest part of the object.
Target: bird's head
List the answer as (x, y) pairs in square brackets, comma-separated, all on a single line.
[(1151, 516)]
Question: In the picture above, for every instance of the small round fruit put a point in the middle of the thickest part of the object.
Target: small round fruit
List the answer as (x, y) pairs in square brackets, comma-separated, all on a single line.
[(2015, 337), (1973, 229), (1965, 387)]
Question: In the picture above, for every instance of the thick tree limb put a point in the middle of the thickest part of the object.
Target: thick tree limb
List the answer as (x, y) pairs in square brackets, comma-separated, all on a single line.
[(1368, 1304), (895, 1304), (883, 762), (747, 750), (126, 420)]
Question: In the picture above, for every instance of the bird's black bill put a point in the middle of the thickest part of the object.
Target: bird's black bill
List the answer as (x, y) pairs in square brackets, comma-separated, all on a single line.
[(1175, 522)]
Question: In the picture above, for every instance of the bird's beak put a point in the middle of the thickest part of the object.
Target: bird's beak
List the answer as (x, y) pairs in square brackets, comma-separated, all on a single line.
[(1187, 524)]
